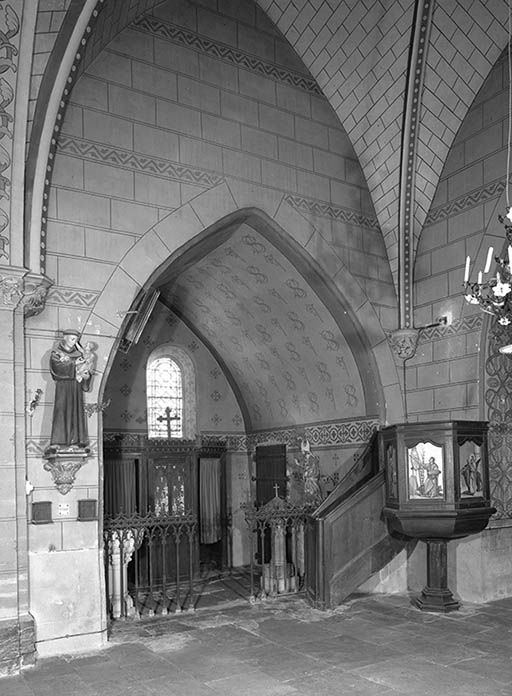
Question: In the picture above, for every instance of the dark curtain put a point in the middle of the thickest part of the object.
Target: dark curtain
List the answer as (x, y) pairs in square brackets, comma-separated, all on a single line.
[(120, 486), (209, 500)]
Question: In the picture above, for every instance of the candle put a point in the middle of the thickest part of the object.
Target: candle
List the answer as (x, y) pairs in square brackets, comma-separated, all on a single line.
[(510, 257), (479, 277), (489, 259), (466, 271)]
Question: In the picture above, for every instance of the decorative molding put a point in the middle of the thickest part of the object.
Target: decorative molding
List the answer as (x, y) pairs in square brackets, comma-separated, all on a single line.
[(9, 29), (404, 342), (471, 323), (328, 210), (66, 92), (71, 297), (157, 27), (96, 407), (64, 466), (476, 197), (319, 435), (11, 288), (409, 160), (134, 161), (38, 447)]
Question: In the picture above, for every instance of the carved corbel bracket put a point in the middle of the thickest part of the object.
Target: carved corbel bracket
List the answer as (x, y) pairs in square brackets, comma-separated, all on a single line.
[(17, 285), (404, 342), (64, 465), (35, 291), (11, 285)]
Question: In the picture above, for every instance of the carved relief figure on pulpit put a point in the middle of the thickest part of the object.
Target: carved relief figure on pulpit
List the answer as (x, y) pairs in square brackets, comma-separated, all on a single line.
[(471, 478), (391, 472), (425, 465), (71, 368)]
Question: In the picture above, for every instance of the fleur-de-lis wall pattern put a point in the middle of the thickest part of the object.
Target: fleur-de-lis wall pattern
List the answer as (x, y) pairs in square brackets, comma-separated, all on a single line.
[(272, 331)]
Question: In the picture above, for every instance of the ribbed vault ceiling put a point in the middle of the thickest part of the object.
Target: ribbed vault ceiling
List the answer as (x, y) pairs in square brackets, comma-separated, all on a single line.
[(358, 50), (286, 351)]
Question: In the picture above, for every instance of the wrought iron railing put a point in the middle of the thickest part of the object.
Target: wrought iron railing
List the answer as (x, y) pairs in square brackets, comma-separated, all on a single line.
[(150, 561), (277, 563)]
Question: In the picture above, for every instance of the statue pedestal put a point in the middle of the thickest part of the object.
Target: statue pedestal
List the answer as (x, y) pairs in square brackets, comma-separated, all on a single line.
[(64, 464)]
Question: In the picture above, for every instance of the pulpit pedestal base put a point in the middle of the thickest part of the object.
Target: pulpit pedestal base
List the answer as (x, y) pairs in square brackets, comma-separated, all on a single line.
[(436, 595)]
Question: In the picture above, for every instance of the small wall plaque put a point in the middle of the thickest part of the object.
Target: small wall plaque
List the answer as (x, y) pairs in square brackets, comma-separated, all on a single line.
[(42, 512), (87, 510)]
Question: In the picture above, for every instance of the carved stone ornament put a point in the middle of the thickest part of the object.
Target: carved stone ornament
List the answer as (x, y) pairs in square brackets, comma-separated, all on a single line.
[(404, 342), (18, 285), (35, 291), (64, 465), (96, 407), (11, 287)]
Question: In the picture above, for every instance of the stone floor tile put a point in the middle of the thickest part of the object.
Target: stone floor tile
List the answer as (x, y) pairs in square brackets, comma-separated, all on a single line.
[(214, 665), (283, 663), (185, 686), (339, 685), (371, 645), (15, 686), (490, 667), (251, 684), (420, 677), (291, 632)]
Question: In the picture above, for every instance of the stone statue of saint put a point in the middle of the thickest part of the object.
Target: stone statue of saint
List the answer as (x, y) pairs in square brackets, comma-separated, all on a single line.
[(310, 474), (71, 368)]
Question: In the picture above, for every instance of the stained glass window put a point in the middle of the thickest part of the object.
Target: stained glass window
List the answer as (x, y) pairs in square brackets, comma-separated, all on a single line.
[(165, 398)]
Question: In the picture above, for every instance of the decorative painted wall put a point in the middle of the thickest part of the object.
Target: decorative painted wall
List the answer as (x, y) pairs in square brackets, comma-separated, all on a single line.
[(216, 406), (449, 377)]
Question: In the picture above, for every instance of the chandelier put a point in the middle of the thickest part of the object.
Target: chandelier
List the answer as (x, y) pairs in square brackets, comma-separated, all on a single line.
[(493, 293)]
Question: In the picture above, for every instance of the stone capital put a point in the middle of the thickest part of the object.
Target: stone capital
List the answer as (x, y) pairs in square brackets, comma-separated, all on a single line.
[(11, 286), (35, 290), (404, 342), (19, 285)]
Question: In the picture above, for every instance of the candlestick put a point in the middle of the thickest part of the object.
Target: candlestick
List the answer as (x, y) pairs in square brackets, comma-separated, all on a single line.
[(488, 260), (466, 271)]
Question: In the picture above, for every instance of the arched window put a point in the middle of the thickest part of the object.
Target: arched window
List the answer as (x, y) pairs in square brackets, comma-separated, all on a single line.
[(165, 398), (171, 393)]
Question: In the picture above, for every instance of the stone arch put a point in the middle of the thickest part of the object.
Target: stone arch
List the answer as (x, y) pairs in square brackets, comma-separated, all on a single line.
[(178, 232)]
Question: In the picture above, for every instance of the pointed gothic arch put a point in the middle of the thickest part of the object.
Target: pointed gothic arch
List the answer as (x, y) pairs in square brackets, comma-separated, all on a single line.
[(201, 224)]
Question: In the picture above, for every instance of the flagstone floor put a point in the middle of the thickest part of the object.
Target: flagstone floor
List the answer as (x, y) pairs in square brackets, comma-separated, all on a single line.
[(371, 645)]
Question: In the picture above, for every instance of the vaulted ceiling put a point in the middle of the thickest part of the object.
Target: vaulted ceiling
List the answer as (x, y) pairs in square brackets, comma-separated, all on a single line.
[(288, 342), (358, 51), (261, 309)]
